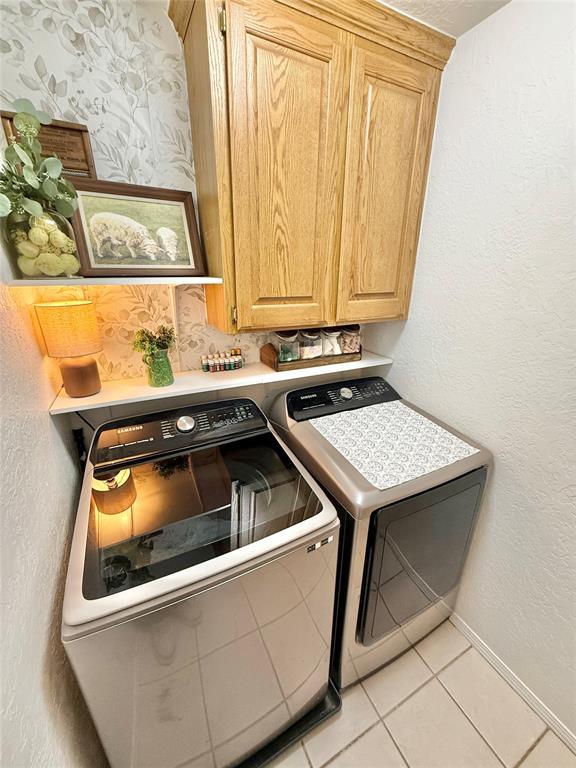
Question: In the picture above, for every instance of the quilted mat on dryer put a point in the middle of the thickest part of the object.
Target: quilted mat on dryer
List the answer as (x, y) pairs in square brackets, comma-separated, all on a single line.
[(390, 443)]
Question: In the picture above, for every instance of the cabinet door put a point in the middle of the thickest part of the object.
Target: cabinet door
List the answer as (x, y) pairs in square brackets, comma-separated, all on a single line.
[(391, 118), (288, 85)]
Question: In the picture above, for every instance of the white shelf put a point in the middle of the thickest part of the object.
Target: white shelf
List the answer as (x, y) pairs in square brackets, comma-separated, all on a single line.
[(194, 382), (79, 282)]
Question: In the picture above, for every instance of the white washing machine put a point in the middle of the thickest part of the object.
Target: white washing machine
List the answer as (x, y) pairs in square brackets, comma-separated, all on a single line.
[(408, 489), (200, 591)]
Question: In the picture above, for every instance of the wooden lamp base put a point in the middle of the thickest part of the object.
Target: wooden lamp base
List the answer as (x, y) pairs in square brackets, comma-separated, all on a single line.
[(80, 376)]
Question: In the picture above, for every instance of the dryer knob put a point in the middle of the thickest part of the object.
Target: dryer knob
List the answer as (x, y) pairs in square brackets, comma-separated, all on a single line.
[(185, 424), (346, 393)]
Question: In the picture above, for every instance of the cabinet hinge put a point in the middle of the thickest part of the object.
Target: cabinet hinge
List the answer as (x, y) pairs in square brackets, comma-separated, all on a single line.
[(222, 18), (234, 315)]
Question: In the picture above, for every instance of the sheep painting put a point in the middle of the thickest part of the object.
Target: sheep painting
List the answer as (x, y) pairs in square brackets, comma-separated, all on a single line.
[(126, 231), (117, 230)]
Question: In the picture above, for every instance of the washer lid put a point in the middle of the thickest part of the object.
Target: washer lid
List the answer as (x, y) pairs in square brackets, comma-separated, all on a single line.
[(152, 527)]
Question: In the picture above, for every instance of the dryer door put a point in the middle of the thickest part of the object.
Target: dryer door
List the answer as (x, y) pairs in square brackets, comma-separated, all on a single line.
[(416, 552)]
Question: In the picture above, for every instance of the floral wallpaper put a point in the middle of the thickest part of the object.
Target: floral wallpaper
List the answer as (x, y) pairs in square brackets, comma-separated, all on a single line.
[(123, 309), (117, 66), (195, 338)]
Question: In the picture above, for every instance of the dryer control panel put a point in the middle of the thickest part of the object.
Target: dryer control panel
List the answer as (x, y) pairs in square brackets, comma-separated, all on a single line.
[(175, 430), (335, 397)]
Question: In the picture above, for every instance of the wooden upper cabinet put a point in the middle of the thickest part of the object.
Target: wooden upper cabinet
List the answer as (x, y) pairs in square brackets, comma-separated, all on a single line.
[(391, 118), (312, 123), (288, 96)]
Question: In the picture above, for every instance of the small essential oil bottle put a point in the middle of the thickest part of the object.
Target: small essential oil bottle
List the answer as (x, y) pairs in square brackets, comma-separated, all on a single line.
[(205, 366), (211, 364)]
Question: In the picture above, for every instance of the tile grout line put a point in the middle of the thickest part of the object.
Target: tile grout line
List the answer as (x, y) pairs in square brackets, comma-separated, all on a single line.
[(490, 747), (437, 678), (389, 732), (469, 646), (381, 717), (364, 732), (398, 705), (354, 740), (517, 764), (402, 701), (434, 676), (532, 747), (306, 755)]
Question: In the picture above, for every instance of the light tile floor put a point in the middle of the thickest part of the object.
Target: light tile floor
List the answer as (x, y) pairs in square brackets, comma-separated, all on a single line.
[(440, 705)]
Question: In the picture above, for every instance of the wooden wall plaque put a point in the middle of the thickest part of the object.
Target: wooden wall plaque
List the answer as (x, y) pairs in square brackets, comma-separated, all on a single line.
[(70, 141)]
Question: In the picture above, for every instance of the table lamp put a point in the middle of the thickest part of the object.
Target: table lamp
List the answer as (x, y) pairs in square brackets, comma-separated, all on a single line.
[(70, 331)]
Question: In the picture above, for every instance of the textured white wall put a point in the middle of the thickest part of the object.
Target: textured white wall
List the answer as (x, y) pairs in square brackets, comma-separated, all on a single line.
[(490, 345), (44, 721)]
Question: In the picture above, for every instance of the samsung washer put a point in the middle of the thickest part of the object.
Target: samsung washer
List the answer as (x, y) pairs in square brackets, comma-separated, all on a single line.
[(200, 589), (408, 488)]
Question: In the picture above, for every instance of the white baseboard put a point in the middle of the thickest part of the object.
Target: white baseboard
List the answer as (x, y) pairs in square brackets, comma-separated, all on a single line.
[(556, 725)]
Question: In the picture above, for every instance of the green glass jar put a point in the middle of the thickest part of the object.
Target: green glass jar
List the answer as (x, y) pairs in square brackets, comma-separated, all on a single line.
[(159, 369), (42, 246)]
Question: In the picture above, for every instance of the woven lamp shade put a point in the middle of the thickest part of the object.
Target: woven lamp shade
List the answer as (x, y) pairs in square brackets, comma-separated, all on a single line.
[(69, 328)]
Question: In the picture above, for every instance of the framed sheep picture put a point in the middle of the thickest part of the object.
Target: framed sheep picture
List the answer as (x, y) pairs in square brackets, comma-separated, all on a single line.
[(125, 230)]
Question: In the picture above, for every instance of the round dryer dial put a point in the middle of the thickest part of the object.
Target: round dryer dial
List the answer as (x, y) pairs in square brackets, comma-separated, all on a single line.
[(346, 393), (185, 424)]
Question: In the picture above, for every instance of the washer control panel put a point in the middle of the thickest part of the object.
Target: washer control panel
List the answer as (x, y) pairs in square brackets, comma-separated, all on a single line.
[(138, 437), (338, 396)]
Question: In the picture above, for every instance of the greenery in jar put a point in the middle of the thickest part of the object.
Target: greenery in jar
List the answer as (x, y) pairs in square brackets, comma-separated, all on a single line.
[(36, 200), (150, 342), (155, 346)]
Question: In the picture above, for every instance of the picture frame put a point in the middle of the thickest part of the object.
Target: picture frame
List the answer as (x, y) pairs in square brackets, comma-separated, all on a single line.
[(69, 141), (128, 230)]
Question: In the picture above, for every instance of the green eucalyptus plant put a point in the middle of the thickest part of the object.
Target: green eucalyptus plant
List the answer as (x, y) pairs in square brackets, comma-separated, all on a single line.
[(30, 183)]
